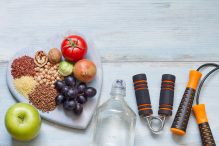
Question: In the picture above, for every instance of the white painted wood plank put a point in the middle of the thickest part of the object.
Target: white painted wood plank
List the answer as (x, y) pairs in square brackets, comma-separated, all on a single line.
[(54, 135), (124, 30)]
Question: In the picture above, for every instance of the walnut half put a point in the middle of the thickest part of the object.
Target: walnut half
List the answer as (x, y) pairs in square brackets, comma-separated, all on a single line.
[(40, 58)]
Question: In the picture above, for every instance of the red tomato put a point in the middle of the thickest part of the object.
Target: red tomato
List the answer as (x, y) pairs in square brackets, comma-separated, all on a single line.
[(74, 48)]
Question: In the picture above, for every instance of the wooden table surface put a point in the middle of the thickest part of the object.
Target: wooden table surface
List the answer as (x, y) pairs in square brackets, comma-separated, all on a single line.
[(132, 36)]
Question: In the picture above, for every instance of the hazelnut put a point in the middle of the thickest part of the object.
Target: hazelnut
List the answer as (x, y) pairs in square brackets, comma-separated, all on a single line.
[(54, 55)]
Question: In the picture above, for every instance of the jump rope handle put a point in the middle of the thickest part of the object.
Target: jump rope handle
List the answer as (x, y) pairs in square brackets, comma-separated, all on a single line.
[(142, 95), (184, 110), (204, 127), (166, 95)]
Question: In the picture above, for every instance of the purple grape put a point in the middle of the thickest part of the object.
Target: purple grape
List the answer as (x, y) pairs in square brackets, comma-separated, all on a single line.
[(81, 99), (70, 81), (90, 92), (64, 90), (79, 108), (69, 105), (59, 85), (72, 93), (60, 99), (81, 87)]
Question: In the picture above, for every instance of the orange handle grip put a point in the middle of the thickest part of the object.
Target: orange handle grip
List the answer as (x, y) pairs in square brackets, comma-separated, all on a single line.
[(194, 77), (182, 116), (204, 127), (200, 113)]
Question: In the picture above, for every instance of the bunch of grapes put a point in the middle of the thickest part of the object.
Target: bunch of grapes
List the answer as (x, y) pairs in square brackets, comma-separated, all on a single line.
[(72, 95)]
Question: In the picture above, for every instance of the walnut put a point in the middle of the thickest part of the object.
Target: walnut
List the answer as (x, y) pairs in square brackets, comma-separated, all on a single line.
[(40, 58)]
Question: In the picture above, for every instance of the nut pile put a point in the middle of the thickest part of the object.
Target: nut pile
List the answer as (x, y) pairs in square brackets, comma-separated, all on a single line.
[(47, 74)]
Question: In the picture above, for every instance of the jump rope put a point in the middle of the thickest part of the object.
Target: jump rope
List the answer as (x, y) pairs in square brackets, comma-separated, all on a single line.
[(182, 116)]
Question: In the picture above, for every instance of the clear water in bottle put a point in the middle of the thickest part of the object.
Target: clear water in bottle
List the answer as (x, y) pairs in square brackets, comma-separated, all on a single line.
[(114, 120)]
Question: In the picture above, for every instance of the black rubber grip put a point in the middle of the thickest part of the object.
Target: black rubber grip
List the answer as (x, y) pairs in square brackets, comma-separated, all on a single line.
[(142, 95), (206, 135), (184, 110), (167, 95)]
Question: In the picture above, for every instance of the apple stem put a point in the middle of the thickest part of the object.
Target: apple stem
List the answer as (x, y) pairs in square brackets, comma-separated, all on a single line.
[(21, 117)]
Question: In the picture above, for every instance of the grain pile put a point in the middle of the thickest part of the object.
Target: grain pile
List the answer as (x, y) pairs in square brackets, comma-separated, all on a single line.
[(43, 98), (25, 85), (23, 66)]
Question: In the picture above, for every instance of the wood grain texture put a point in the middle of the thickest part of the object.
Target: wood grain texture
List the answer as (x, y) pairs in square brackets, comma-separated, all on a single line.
[(54, 135), (132, 36), (123, 30)]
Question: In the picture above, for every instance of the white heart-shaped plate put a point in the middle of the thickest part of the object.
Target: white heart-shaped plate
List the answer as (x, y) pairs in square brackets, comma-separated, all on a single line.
[(59, 115)]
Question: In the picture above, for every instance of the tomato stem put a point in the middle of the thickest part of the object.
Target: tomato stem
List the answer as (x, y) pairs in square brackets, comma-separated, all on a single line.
[(72, 43)]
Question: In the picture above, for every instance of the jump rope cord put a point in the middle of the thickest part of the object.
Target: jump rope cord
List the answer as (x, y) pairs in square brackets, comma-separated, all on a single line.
[(207, 65), (205, 77)]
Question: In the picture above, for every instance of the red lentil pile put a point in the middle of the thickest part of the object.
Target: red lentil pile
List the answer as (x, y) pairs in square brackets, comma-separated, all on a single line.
[(23, 66), (44, 98)]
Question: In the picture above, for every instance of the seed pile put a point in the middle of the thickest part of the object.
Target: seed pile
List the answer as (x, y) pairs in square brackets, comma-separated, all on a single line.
[(47, 74), (43, 98), (25, 85), (23, 66)]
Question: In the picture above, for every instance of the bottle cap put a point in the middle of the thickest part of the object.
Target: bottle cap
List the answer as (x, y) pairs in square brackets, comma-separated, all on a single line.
[(118, 87)]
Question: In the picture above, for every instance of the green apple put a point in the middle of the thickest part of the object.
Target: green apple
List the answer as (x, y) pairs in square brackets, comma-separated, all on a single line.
[(23, 121)]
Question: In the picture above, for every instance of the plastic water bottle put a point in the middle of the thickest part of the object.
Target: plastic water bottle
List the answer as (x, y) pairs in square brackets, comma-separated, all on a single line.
[(114, 121)]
